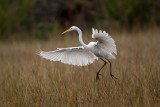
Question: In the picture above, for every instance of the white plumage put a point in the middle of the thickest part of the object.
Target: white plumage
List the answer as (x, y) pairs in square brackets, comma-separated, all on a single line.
[(86, 54), (75, 56), (104, 41)]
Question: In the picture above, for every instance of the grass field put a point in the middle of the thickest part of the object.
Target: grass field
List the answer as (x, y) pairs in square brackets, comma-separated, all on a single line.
[(28, 80)]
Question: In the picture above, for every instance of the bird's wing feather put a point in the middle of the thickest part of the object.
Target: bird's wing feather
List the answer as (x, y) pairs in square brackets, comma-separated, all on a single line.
[(74, 55), (105, 41)]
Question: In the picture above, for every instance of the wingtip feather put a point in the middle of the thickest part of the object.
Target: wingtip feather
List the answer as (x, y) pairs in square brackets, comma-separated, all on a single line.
[(93, 31), (100, 32), (38, 51)]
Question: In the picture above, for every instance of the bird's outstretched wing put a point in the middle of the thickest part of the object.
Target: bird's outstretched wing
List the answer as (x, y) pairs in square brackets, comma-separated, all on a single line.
[(105, 41), (74, 55)]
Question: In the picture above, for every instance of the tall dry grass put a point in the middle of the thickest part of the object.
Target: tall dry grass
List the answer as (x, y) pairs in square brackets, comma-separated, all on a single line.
[(28, 80)]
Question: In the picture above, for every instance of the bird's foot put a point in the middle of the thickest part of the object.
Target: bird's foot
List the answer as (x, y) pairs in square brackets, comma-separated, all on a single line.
[(97, 77), (113, 77)]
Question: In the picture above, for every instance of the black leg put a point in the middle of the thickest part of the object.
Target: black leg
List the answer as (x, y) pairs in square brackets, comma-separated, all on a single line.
[(110, 70), (97, 76)]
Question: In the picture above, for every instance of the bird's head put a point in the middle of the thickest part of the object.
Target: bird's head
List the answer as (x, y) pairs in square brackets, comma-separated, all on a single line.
[(70, 29)]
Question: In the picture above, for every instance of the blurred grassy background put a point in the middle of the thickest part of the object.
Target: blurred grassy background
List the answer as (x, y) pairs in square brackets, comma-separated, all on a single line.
[(38, 18), (28, 80)]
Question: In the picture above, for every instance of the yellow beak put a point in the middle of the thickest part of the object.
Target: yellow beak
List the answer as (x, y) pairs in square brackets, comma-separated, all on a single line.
[(66, 31)]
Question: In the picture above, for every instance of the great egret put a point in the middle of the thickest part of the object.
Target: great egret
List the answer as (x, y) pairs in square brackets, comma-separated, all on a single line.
[(85, 54)]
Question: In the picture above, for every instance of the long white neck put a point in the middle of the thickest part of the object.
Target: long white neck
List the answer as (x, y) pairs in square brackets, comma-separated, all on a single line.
[(80, 37)]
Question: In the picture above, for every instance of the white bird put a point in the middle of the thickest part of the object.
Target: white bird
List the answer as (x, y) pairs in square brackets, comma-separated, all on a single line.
[(85, 54)]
